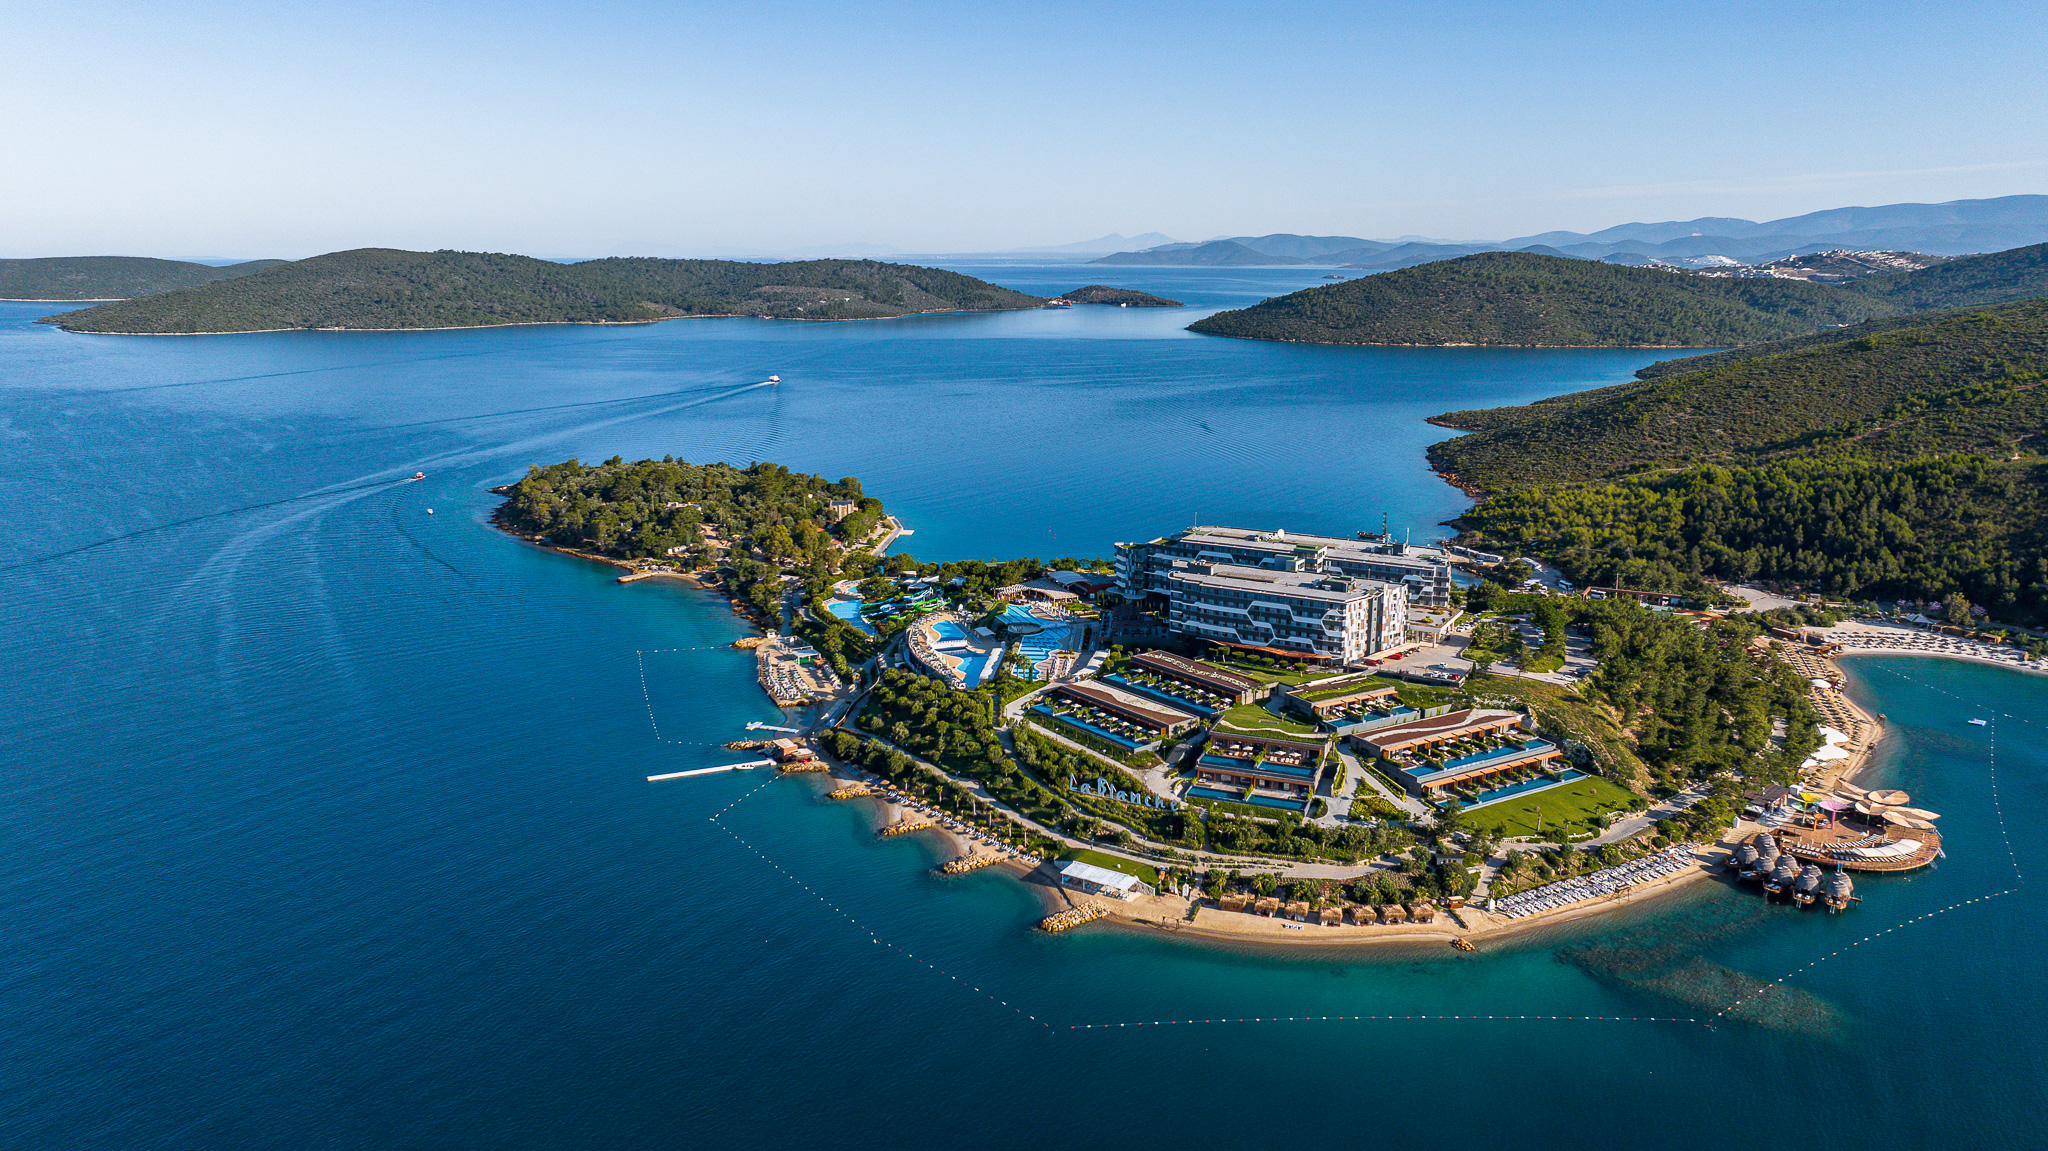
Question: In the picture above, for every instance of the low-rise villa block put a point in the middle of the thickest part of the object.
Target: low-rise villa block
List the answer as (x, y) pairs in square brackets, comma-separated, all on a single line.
[(1341, 698), (1258, 769), (1454, 753), (1229, 689), (1129, 711)]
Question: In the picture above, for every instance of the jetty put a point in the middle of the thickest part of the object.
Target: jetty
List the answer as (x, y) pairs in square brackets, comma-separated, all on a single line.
[(968, 863), (906, 826), (852, 792), (747, 766), (1072, 917)]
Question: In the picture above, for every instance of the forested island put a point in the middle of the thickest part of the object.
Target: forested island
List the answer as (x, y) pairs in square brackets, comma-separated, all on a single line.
[(1532, 300), (111, 277), (1126, 297), (1903, 458), (384, 288)]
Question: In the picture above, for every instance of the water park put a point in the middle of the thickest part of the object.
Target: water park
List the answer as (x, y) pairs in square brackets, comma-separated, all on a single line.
[(869, 615)]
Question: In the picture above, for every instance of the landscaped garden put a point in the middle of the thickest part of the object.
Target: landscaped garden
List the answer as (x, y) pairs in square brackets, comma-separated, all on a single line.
[(1561, 812), (1256, 718)]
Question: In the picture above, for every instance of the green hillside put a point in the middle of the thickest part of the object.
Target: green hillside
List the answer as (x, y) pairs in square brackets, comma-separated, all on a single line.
[(1951, 381), (385, 288), (1522, 298), (1900, 460), (1993, 278), (1125, 297), (110, 277)]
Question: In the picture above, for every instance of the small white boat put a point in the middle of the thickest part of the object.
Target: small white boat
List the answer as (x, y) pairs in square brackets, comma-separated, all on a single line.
[(1980, 723), (430, 511), (774, 379)]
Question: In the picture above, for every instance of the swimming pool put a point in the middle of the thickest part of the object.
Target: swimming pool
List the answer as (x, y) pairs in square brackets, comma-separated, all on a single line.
[(849, 610), (1199, 792), (1090, 728), (1514, 789), (946, 634), (977, 668), (1052, 636)]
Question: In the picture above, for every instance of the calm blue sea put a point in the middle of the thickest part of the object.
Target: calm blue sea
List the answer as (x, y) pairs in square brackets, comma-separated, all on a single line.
[(323, 822)]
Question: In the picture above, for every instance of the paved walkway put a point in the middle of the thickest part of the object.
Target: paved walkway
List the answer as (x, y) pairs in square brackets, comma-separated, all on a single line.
[(1621, 829), (1362, 776)]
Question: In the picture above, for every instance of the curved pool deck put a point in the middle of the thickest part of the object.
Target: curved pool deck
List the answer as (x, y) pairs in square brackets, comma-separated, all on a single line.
[(1053, 635), (966, 656)]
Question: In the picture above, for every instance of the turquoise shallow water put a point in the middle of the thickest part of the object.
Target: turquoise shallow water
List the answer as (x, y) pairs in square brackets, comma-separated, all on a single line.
[(325, 821)]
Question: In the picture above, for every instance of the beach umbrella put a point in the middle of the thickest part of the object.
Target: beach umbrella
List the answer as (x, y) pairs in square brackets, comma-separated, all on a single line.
[(1889, 798)]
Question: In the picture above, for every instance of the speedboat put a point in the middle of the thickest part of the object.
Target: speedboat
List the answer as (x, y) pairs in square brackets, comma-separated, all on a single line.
[(774, 379), (1980, 723)]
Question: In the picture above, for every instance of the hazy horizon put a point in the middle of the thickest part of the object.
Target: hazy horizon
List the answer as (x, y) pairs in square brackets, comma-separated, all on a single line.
[(223, 130)]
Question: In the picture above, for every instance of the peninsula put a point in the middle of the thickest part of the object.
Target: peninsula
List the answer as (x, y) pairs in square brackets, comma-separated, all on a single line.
[(111, 277), (1137, 769), (388, 289), (1525, 299)]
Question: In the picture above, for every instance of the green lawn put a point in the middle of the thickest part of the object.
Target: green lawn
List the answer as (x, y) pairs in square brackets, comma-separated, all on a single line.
[(1562, 808), (1112, 862), (1255, 718), (1267, 674)]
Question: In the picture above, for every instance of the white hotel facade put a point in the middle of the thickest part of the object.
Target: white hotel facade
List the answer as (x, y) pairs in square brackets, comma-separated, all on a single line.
[(1303, 595)]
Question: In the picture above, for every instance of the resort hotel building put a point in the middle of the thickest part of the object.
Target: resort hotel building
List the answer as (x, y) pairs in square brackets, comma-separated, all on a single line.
[(1290, 613), (1426, 576), (1457, 752)]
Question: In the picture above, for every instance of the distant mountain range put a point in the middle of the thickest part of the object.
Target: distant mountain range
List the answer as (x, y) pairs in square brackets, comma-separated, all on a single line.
[(1960, 227)]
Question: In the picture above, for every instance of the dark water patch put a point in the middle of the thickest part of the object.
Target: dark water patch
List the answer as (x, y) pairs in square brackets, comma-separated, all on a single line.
[(1663, 957)]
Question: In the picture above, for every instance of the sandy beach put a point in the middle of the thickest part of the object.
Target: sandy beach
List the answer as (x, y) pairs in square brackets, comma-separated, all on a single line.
[(1166, 914)]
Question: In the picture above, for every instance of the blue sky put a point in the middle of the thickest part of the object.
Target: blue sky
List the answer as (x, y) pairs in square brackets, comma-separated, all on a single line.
[(226, 129)]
